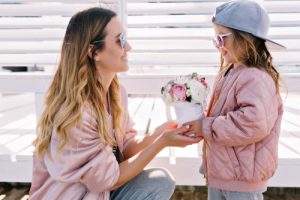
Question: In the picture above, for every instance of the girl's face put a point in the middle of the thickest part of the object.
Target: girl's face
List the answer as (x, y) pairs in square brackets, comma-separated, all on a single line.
[(224, 43), (113, 58)]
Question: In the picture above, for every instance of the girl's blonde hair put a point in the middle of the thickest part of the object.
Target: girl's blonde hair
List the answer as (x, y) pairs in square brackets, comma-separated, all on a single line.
[(252, 52), (76, 83)]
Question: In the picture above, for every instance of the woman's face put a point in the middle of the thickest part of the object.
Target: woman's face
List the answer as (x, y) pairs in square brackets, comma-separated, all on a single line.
[(226, 49), (113, 57)]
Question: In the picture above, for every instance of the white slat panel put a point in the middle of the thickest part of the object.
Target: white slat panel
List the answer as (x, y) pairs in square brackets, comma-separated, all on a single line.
[(25, 154), (57, 1), (32, 34), (139, 46), (158, 115), (12, 148), (33, 22), (29, 59), (284, 19), (135, 103), (202, 33), (16, 117), (289, 128), (42, 9), (142, 115), (27, 122), (30, 47), (202, 7), (140, 34), (147, 59), (170, 46), (292, 143)]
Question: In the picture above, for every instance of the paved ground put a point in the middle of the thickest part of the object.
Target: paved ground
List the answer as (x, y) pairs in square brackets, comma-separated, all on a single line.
[(20, 192), (200, 193)]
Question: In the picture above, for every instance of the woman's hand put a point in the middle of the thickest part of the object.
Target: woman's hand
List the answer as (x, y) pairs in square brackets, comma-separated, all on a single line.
[(165, 126), (178, 138), (195, 128)]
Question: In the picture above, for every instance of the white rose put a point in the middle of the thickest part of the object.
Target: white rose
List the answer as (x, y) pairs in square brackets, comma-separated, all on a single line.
[(198, 91), (167, 97), (181, 80)]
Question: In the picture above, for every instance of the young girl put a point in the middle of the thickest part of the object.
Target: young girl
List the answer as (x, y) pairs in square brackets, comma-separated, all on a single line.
[(85, 147), (242, 126)]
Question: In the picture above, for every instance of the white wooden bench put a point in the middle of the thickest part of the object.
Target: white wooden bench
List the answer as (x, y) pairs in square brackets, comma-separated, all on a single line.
[(168, 37), (148, 112)]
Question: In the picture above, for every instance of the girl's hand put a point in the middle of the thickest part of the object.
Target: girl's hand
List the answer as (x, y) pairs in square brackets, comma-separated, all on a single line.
[(177, 138), (195, 128)]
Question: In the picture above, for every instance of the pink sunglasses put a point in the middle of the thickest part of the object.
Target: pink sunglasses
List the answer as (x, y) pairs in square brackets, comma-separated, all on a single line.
[(219, 41)]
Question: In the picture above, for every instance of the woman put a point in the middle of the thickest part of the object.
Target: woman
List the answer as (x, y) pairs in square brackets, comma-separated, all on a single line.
[(85, 148)]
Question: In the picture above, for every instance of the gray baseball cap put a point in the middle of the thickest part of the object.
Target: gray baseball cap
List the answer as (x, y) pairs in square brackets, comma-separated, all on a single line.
[(248, 16)]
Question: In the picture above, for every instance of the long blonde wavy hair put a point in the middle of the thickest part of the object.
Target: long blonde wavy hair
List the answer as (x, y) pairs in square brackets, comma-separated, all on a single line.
[(252, 52), (76, 83)]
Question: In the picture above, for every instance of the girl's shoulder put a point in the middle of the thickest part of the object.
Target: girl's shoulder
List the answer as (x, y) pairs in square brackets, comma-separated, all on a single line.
[(253, 77), (254, 74)]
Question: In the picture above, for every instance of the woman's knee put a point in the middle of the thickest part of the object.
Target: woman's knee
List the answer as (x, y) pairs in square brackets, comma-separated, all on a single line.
[(161, 179)]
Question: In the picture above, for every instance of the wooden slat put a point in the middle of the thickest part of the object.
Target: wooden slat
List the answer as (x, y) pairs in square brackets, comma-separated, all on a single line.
[(22, 47), (32, 34), (140, 34), (28, 121), (134, 83), (147, 59), (57, 1), (202, 33), (179, 1), (134, 104), (142, 116), (139, 46), (13, 101), (25, 154), (283, 19), (33, 22), (202, 7), (158, 115), (9, 150), (42, 9), (17, 114)]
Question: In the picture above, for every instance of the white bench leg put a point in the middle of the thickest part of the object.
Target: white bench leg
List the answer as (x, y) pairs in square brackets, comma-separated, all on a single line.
[(39, 102)]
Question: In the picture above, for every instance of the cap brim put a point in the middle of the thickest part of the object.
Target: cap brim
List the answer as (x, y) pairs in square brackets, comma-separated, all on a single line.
[(271, 45)]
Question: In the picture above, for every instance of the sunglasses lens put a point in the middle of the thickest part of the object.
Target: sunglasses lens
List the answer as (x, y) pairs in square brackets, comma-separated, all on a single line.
[(122, 39), (219, 41)]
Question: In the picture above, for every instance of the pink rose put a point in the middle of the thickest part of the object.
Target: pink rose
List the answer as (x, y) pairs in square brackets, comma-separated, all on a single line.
[(178, 92)]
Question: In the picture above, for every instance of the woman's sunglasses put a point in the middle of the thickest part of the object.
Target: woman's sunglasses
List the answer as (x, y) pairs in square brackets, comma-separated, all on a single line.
[(121, 39), (219, 41)]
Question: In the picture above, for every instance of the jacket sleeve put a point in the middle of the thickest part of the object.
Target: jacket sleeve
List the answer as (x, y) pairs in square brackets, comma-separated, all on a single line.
[(84, 159), (254, 116)]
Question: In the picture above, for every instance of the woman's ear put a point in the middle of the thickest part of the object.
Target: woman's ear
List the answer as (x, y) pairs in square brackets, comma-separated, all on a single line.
[(89, 53), (96, 56)]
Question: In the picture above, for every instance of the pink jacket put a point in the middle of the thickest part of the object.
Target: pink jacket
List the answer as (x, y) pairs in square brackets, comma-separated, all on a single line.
[(83, 170), (241, 131)]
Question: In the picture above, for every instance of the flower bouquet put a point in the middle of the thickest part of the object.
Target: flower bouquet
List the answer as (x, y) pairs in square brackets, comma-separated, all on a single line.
[(187, 94)]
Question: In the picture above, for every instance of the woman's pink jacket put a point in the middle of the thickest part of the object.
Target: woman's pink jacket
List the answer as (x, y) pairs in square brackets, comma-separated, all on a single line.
[(242, 130), (83, 170)]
